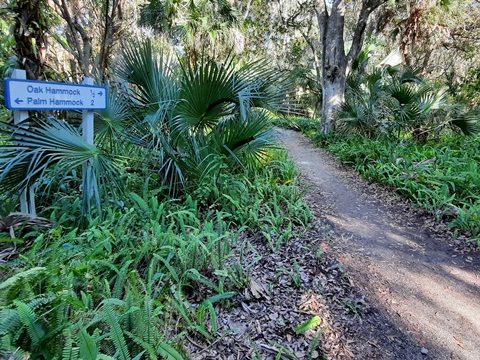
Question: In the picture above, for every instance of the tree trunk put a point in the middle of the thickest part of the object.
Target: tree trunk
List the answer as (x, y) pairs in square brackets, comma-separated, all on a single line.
[(108, 20), (30, 37), (333, 96), (334, 63)]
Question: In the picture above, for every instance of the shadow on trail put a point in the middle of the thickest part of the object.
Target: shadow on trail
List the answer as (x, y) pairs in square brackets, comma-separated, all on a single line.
[(430, 291)]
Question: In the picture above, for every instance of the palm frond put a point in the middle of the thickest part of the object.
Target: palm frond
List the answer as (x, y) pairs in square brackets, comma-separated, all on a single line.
[(209, 92), (247, 140), (469, 124), (267, 87), (111, 124), (153, 76), (47, 149)]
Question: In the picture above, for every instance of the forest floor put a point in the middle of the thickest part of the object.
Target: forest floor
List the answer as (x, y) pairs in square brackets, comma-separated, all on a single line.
[(387, 281)]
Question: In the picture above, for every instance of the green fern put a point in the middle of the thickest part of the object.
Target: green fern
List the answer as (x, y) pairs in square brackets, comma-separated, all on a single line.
[(116, 333), (10, 322), (21, 275), (147, 333), (88, 347), (69, 351), (30, 321), (148, 346), (8, 349)]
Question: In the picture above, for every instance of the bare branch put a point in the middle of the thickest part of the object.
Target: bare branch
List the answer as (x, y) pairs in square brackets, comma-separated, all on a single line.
[(368, 6)]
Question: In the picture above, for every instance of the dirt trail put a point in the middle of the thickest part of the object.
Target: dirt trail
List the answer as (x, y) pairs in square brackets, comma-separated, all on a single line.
[(430, 290)]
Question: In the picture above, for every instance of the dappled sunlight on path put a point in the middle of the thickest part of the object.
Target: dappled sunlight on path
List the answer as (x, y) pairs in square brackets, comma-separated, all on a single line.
[(429, 290)]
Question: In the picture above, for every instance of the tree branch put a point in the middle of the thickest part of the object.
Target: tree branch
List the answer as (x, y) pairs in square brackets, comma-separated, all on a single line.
[(368, 6)]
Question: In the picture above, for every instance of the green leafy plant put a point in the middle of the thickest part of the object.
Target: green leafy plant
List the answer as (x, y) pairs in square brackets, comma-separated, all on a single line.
[(308, 325), (392, 102), (441, 176)]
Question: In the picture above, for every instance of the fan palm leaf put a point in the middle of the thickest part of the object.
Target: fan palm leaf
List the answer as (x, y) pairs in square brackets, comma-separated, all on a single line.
[(268, 88), (469, 124), (111, 124), (152, 77), (248, 140), (209, 92), (196, 117), (47, 149)]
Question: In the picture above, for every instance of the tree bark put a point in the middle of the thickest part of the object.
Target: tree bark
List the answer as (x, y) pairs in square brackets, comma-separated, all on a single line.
[(336, 63), (30, 37)]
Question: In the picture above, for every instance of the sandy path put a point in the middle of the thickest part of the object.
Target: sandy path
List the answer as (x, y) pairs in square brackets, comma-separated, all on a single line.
[(429, 290)]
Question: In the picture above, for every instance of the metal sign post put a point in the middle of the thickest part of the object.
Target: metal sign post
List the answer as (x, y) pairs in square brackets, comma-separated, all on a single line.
[(22, 95), (18, 117), (87, 132)]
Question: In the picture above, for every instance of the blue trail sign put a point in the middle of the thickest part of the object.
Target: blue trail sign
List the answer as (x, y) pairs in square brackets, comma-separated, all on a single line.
[(45, 95)]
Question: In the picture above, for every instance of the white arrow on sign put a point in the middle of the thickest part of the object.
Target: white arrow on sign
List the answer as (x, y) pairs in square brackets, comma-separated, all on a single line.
[(44, 95)]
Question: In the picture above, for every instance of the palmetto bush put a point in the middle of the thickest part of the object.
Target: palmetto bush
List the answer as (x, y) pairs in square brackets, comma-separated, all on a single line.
[(192, 118), (391, 102), (184, 122)]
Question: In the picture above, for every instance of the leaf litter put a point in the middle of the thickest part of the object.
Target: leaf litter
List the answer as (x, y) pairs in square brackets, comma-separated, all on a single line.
[(356, 311)]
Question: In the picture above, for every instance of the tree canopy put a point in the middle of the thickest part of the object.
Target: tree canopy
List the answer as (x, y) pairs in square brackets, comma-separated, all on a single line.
[(318, 42)]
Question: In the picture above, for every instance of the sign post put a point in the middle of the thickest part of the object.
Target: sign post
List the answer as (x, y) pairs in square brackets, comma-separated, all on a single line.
[(22, 95), (19, 116), (87, 132)]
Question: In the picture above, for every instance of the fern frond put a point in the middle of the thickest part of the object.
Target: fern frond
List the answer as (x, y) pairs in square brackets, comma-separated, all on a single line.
[(147, 334), (88, 347), (116, 333), (30, 321), (13, 279), (10, 352), (69, 351), (10, 322), (147, 346), (40, 300)]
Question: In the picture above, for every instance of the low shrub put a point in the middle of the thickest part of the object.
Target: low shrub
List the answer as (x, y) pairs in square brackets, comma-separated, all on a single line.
[(151, 270)]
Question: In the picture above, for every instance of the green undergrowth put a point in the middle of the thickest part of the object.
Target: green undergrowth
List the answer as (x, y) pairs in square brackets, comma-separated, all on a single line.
[(441, 175), (133, 284), (4, 112), (308, 126)]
